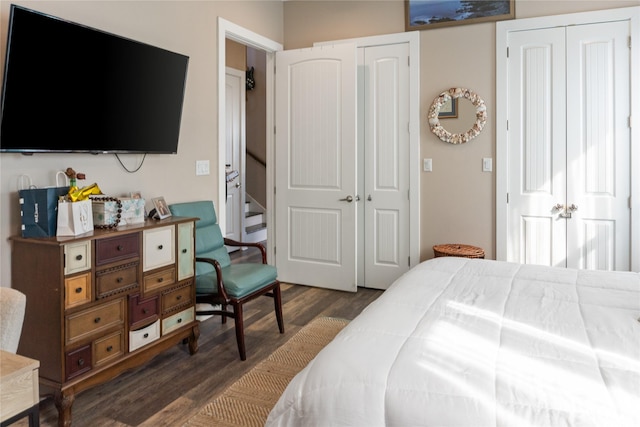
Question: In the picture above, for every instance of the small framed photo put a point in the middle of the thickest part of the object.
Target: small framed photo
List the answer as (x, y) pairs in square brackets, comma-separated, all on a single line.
[(135, 195), (449, 110), (162, 210)]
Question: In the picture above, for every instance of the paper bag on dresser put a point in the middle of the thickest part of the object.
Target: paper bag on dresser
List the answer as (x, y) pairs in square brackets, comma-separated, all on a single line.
[(38, 208), (74, 218)]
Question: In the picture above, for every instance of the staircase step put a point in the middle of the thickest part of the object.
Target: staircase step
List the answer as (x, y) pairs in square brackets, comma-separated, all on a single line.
[(253, 218), (255, 228)]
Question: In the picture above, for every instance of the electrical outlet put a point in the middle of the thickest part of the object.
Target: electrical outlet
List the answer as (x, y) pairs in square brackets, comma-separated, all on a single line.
[(427, 165)]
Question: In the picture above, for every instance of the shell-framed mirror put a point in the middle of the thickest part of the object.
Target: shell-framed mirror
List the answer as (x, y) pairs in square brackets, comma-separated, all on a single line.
[(448, 96)]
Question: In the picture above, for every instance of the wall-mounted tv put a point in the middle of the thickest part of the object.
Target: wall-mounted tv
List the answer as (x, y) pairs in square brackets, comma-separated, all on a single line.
[(70, 88)]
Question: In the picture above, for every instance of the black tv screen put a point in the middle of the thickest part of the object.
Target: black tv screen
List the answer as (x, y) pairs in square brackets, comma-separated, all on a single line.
[(71, 88)]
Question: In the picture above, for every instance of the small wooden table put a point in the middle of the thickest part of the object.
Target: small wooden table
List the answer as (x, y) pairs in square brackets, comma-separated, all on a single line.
[(456, 249), (19, 392)]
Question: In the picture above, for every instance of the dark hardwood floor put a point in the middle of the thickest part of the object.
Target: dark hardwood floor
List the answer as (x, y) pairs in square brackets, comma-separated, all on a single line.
[(172, 387)]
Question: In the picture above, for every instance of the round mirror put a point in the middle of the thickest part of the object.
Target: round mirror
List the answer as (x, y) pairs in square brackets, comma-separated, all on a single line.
[(450, 95)]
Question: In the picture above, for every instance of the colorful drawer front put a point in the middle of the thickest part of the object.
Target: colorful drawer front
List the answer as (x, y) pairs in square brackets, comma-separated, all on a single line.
[(159, 247), (78, 361), (94, 320), (177, 298), (143, 311), (178, 320), (77, 290), (108, 348), (117, 248), (116, 280), (77, 257), (185, 251), (158, 280), (144, 336)]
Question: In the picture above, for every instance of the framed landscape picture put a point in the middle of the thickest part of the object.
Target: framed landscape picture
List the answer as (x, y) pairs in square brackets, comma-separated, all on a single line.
[(426, 14)]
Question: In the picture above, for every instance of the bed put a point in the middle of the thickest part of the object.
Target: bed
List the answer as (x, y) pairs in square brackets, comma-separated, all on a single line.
[(469, 342)]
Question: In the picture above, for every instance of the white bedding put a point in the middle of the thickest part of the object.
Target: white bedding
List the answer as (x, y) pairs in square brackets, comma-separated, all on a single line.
[(459, 342)]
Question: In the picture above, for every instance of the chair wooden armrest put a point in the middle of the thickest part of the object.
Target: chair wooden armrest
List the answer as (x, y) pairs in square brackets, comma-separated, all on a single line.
[(222, 293), (263, 251)]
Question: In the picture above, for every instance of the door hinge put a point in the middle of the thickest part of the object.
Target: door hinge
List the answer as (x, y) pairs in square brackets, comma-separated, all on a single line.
[(409, 261), (408, 61), (507, 198), (629, 42), (507, 51), (507, 125), (409, 194)]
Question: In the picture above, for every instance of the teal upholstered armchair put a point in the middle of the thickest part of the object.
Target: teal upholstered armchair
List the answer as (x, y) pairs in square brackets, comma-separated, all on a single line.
[(218, 281)]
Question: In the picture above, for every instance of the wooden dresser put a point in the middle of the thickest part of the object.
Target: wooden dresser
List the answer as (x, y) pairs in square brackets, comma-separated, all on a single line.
[(104, 302)]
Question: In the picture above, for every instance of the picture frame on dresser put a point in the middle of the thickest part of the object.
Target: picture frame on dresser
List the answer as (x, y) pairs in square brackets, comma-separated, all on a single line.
[(161, 209)]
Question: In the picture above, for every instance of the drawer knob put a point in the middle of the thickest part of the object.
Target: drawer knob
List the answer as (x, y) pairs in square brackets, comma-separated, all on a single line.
[(119, 279), (146, 335), (78, 257), (145, 311), (160, 247), (80, 362), (160, 280), (184, 251), (179, 297), (96, 320), (180, 320), (110, 348), (78, 290), (120, 247)]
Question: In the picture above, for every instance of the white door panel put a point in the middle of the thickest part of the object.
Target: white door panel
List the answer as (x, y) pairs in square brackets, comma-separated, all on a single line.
[(536, 147), (315, 157), (385, 139), (598, 148), (235, 148)]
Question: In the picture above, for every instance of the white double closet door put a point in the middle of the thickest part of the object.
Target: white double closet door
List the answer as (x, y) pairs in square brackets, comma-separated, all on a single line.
[(569, 146), (342, 175)]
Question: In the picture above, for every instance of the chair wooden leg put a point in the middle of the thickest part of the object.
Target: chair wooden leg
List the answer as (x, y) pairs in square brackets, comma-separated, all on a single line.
[(237, 309), (277, 301), (224, 317)]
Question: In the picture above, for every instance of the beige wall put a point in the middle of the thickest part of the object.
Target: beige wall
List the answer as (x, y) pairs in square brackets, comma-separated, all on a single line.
[(457, 198), (188, 27)]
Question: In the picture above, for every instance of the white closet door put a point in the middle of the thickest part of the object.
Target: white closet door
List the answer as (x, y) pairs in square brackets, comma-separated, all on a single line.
[(385, 195), (315, 175), (598, 146), (569, 146), (536, 145)]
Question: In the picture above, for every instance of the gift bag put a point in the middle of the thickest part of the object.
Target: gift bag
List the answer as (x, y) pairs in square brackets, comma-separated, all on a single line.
[(38, 210), (74, 218)]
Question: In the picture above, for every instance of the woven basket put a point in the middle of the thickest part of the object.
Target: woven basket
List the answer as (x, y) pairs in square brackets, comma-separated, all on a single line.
[(464, 251)]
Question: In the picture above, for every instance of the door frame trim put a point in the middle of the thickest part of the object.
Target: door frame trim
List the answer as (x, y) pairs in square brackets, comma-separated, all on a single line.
[(413, 38), (503, 28), (229, 30)]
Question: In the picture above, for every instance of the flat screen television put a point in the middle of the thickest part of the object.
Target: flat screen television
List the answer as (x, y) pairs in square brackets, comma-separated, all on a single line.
[(70, 88)]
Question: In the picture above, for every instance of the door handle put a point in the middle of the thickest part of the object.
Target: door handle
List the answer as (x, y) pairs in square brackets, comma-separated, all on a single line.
[(572, 208), (558, 207), (238, 185), (347, 199)]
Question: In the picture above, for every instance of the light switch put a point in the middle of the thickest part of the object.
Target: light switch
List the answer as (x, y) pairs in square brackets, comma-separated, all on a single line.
[(427, 165), (202, 167), (487, 164)]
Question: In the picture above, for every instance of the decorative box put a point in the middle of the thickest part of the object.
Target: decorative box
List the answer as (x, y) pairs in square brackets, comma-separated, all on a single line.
[(105, 213)]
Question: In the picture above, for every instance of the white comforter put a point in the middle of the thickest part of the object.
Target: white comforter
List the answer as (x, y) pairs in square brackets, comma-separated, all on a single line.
[(458, 342)]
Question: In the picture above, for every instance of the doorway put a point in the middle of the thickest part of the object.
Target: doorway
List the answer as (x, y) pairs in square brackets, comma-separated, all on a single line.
[(229, 31)]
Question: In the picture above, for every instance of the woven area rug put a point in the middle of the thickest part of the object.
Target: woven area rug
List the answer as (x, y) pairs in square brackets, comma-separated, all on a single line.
[(248, 401)]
